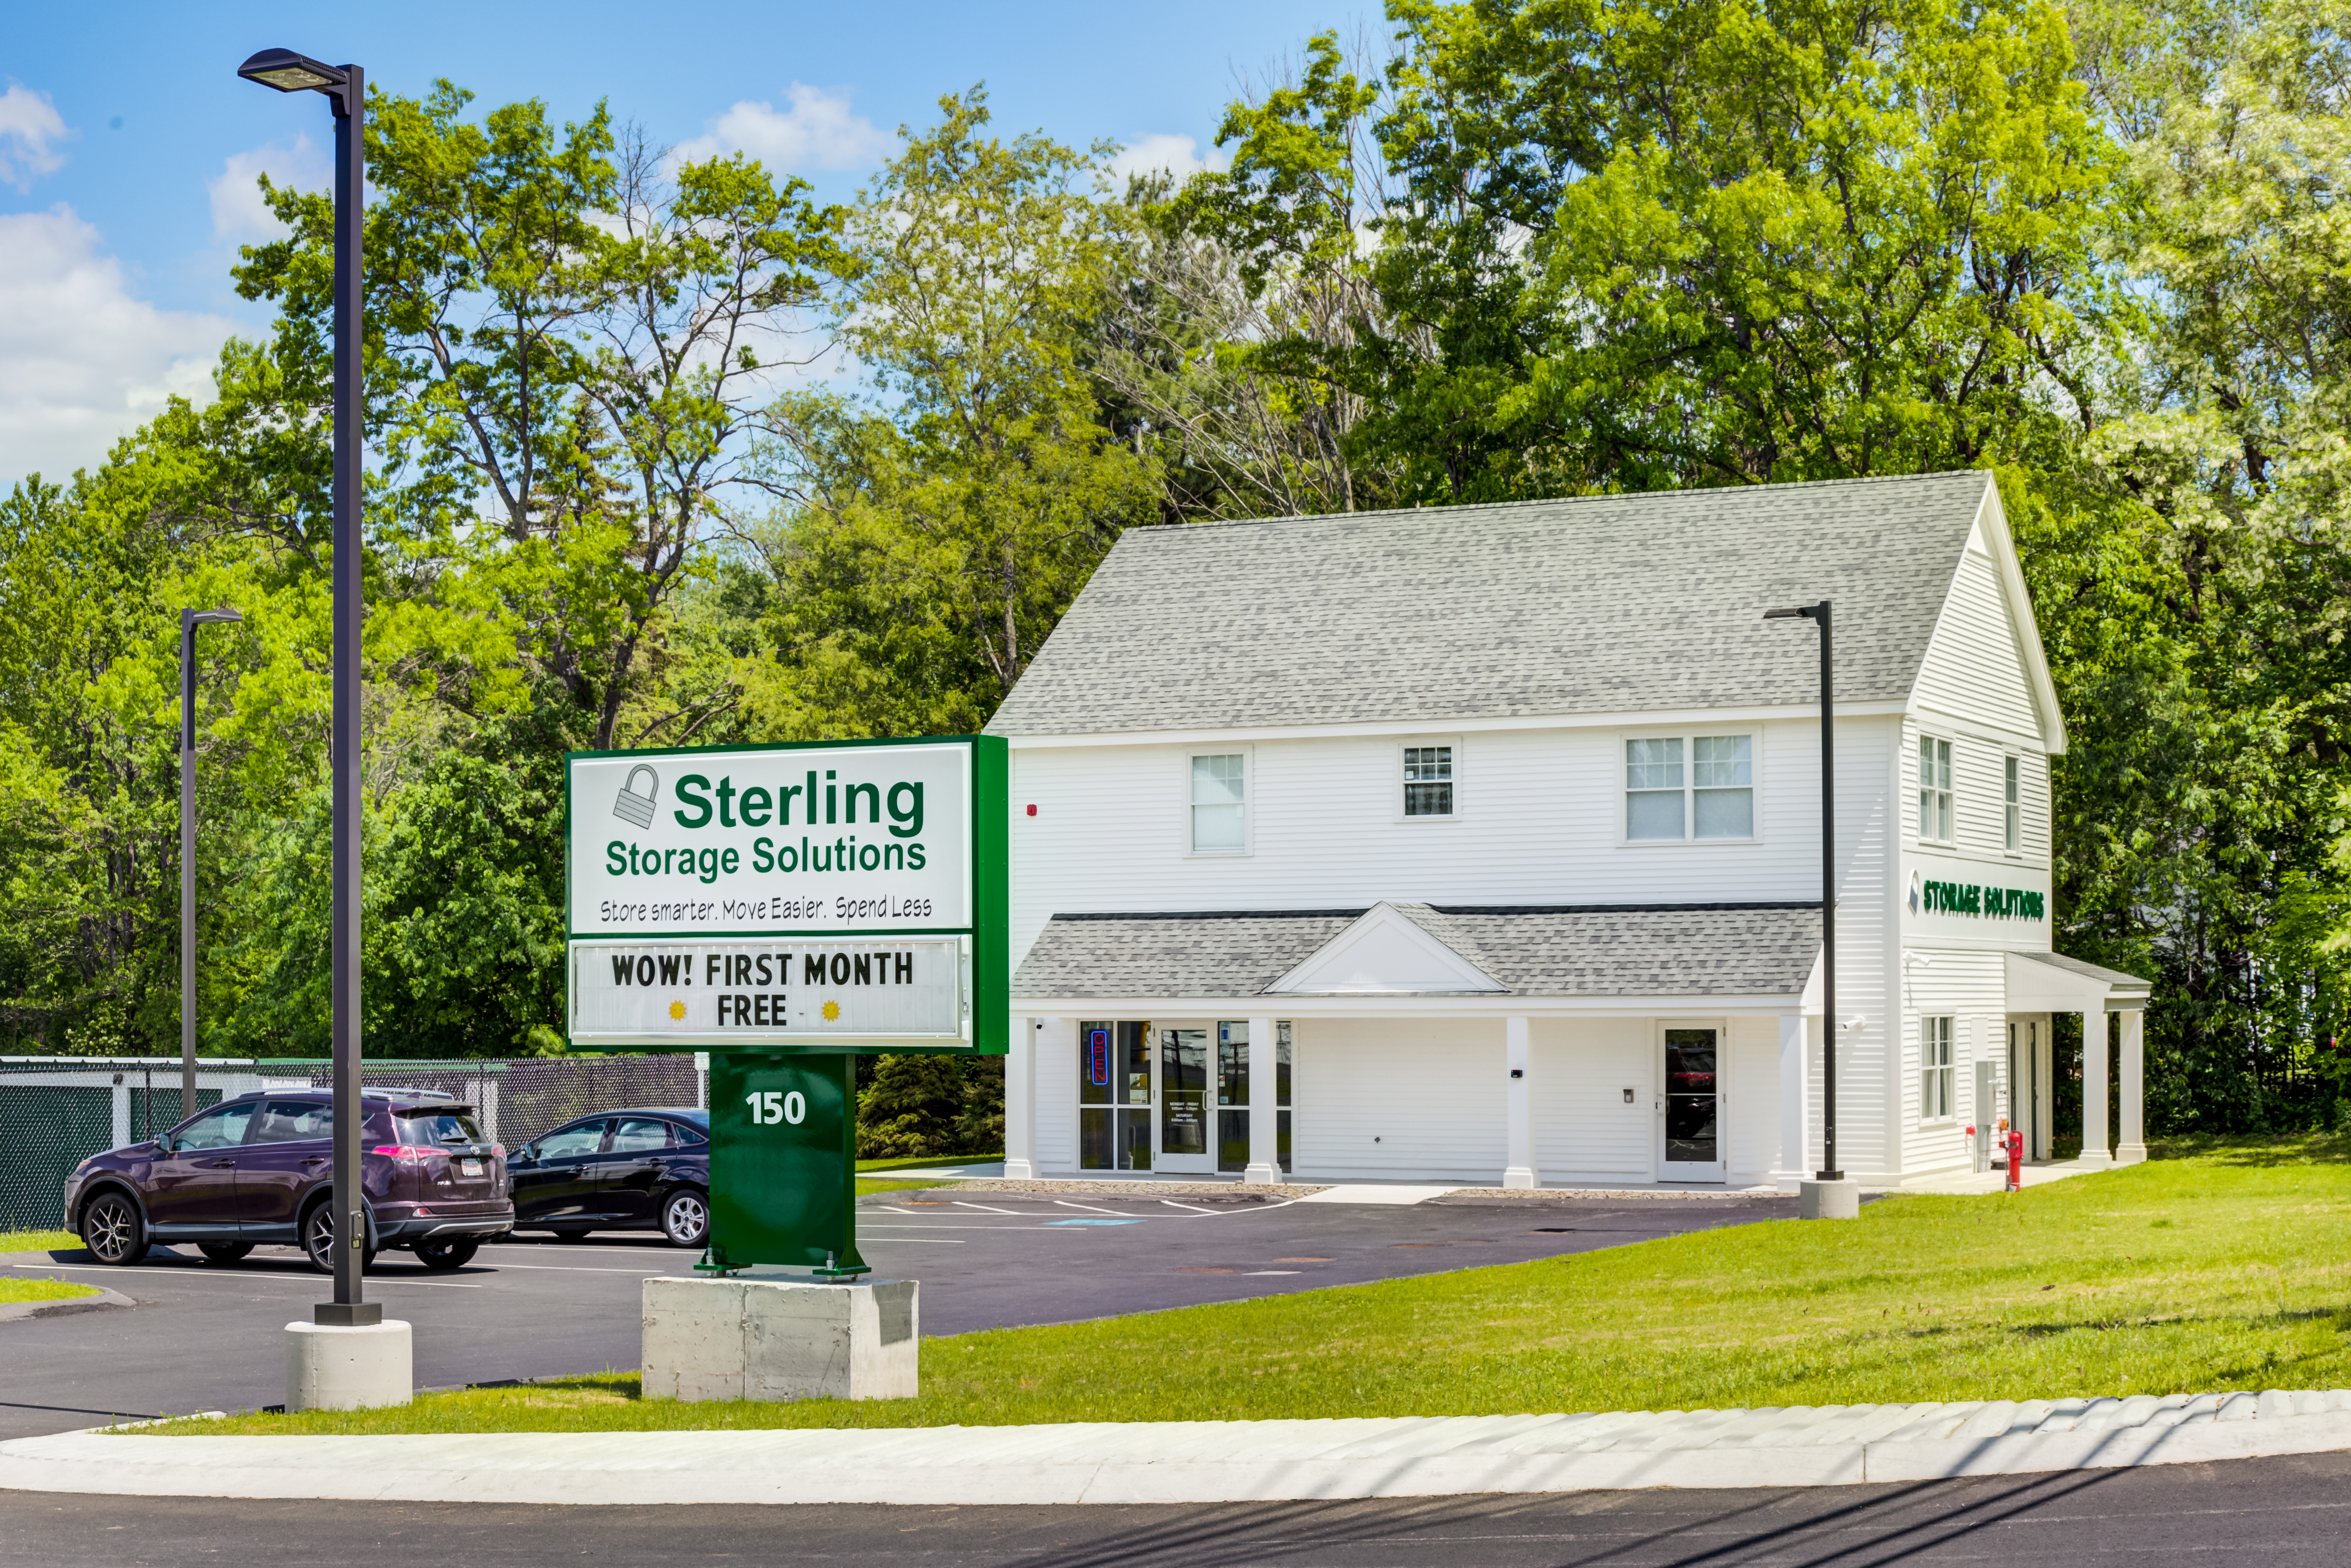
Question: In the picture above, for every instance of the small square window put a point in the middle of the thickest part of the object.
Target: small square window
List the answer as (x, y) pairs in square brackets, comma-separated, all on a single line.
[(1218, 825), (1428, 782)]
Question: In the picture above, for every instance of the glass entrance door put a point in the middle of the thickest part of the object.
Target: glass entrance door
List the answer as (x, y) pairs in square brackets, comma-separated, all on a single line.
[(1184, 1100), (1693, 1106)]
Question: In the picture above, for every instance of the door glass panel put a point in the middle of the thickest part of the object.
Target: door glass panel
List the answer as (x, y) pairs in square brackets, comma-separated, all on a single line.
[(1232, 1096), (291, 1121), (1281, 1093), (572, 1142), (1691, 1096), (220, 1129), (1097, 1066), (1135, 1056), (639, 1135), (1182, 1091)]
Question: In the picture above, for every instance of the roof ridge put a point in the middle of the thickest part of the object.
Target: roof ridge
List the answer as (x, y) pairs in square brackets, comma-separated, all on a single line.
[(1292, 517)]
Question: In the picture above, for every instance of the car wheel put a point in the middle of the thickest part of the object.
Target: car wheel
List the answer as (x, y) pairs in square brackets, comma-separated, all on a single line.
[(113, 1229), (442, 1255), (318, 1240), (224, 1251), (685, 1218)]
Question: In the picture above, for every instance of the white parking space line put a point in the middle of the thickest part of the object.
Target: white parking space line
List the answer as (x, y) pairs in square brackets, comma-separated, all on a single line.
[(584, 1269), (1186, 1208), (1065, 1203), (920, 1241), (317, 1282), (984, 1208)]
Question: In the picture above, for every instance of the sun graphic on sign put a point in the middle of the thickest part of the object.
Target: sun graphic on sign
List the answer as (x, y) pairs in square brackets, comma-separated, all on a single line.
[(677, 1011), (831, 1011)]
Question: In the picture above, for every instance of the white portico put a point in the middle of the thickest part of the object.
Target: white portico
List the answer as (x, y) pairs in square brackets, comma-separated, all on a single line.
[(1481, 844)]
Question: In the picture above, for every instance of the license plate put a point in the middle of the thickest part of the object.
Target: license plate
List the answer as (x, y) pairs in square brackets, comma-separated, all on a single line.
[(469, 1168)]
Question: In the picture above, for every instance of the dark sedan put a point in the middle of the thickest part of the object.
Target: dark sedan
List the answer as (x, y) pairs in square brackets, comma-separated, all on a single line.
[(618, 1170), (259, 1168)]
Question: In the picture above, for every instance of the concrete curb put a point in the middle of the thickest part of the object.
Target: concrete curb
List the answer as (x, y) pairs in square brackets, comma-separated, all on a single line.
[(1206, 1461), (16, 1312)]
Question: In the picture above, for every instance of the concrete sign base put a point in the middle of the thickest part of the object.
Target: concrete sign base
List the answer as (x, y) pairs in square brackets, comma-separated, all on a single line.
[(330, 1368), (755, 1338)]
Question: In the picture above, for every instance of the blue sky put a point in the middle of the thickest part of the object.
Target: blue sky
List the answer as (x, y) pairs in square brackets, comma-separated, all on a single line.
[(127, 145)]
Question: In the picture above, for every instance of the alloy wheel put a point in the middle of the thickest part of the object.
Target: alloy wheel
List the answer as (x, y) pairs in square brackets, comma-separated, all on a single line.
[(110, 1229), (686, 1219)]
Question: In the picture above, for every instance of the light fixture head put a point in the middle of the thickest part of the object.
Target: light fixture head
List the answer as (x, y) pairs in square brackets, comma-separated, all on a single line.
[(211, 617), (289, 72)]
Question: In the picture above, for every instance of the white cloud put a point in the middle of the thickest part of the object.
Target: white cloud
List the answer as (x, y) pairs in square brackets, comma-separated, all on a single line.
[(81, 360), (238, 212), (1179, 155), (816, 130), (29, 122)]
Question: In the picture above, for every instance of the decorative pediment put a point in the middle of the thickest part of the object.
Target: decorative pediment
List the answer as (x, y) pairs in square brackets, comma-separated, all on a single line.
[(1384, 953)]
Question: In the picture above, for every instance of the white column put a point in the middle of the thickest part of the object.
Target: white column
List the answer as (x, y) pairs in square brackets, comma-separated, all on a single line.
[(2133, 1148), (1265, 1154), (1020, 1102), (2095, 1149), (1789, 1168), (1520, 1106)]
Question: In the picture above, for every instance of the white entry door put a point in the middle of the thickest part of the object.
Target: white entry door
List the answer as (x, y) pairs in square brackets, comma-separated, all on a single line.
[(1185, 1108), (1691, 1123)]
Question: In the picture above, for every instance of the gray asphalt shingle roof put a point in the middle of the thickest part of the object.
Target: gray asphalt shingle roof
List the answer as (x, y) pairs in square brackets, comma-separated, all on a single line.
[(1723, 949), (2094, 971), (1597, 604)]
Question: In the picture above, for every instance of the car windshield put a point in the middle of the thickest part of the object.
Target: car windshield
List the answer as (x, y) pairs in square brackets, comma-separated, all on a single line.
[(438, 1127)]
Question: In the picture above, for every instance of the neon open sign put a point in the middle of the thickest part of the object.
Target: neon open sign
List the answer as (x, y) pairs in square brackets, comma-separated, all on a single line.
[(1098, 1057)]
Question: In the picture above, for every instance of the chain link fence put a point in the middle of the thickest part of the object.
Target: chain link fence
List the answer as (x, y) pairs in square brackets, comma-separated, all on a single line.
[(57, 1111)]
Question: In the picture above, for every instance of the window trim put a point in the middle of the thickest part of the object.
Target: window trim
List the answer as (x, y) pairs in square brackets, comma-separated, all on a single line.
[(1248, 754), (1688, 734), (1397, 779), (1948, 1068), (1920, 788)]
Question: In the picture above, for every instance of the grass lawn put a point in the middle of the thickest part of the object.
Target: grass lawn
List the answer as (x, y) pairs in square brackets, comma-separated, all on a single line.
[(866, 1185), (2227, 1269), (13, 1289), (36, 1240)]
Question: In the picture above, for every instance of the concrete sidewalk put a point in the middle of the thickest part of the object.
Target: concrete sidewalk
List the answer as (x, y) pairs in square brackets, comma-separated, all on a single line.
[(1204, 1461)]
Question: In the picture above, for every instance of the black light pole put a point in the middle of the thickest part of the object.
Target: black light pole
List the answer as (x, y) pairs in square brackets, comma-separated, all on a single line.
[(346, 89), (189, 620), (1819, 615)]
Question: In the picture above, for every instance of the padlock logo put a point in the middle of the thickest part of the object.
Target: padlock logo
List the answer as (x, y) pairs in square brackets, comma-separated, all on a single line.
[(632, 807)]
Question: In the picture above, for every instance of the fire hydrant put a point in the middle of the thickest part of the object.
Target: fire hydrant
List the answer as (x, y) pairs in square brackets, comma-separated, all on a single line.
[(2016, 1161)]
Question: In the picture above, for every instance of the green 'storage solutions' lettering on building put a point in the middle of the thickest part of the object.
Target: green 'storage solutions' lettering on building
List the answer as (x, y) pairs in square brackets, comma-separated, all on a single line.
[(1970, 898), (704, 805)]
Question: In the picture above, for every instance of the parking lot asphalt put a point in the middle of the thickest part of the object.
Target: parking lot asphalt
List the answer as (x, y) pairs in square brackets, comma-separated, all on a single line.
[(2274, 1510), (207, 1337)]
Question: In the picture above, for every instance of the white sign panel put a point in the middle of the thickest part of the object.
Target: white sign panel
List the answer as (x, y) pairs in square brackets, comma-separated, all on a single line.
[(744, 842), (763, 992)]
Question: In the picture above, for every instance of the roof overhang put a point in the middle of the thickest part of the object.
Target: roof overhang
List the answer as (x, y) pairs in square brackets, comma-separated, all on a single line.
[(2048, 983)]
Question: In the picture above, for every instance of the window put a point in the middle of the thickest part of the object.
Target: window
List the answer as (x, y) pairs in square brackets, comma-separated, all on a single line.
[(425, 1127), (1428, 782), (217, 1129), (1114, 1095), (1934, 789), (293, 1120), (1282, 1093), (1218, 826), (639, 1135), (1712, 798), (573, 1142), (1933, 1068), (2013, 830)]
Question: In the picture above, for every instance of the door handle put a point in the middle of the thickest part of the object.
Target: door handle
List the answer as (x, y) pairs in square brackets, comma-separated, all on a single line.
[(224, 1165)]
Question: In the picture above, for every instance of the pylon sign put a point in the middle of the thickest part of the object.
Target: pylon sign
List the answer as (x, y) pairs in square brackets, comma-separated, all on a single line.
[(840, 896)]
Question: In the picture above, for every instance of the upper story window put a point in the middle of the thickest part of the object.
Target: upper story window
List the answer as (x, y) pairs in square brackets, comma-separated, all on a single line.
[(1428, 782), (2012, 813), (1218, 804), (1711, 794), (1934, 789)]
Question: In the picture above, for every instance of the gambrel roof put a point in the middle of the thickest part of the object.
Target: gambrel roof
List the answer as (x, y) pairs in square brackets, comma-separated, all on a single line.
[(1600, 604)]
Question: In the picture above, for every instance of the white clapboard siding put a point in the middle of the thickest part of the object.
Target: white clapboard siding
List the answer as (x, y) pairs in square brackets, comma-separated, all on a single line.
[(1578, 1071), (1398, 1100), (1751, 1108), (1055, 1086), (1975, 664), (1539, 823), (1969, 985)]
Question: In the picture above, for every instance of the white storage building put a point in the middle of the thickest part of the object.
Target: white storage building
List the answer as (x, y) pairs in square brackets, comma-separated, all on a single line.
[(1482, 844)]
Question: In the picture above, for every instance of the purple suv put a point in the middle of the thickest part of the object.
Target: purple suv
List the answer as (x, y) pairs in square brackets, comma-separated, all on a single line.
[(259, 1168)]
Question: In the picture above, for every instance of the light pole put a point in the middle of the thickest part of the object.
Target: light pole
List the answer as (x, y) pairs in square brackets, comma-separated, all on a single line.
[(346, 88), (189, 620), (1819, 1204)]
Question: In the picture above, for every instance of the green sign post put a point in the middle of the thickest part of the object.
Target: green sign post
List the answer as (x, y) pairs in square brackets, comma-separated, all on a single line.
[(785, 909)]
